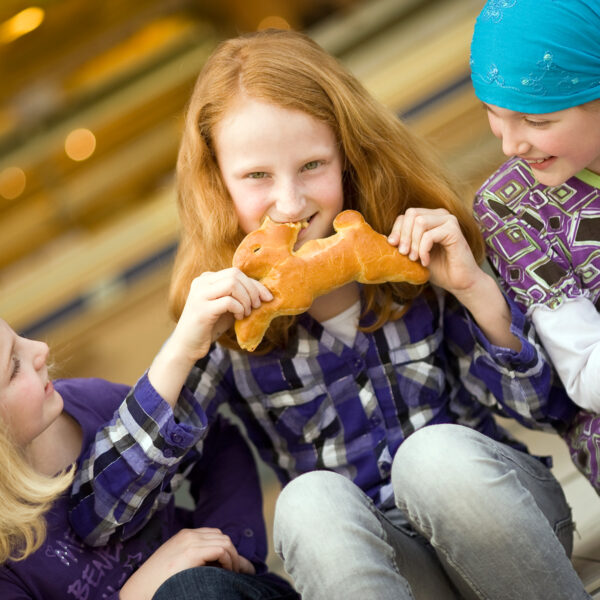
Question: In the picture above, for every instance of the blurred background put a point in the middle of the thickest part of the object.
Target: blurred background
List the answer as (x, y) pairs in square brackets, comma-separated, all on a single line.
[(92, 98)]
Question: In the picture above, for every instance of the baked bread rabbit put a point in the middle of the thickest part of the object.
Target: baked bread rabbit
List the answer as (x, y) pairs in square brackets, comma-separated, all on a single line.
[(355, 252)]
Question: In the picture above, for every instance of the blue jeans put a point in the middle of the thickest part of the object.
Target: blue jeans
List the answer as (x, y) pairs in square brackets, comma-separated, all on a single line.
[(474, 519), (214, 583)]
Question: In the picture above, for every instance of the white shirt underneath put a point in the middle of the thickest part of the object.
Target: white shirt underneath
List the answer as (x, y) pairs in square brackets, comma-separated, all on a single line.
[(345, 325), (571, 336)]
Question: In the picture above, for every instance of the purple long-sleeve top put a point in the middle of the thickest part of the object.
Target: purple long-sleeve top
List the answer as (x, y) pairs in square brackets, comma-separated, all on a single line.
[(225, 481)]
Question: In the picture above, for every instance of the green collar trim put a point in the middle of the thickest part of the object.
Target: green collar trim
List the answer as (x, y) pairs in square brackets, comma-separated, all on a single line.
[(589, 177)]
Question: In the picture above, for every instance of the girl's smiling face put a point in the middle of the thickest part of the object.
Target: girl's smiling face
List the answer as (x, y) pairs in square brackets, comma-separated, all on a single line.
[(555, 145), (29, 404), (282, 163)]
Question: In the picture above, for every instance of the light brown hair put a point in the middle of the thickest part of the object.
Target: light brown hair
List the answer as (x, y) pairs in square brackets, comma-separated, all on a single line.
[(593, 105), (387, 169)]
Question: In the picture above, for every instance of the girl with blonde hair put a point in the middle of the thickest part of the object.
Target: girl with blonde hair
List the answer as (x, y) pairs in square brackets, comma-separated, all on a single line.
[(45, 425), (375, 407), (25, 497)]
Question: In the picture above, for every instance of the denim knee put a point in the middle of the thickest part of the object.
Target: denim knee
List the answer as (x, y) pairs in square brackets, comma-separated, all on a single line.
[(449, 480), (309, 505), (490, 512), (427, 452), (442, 469), (332, 542)]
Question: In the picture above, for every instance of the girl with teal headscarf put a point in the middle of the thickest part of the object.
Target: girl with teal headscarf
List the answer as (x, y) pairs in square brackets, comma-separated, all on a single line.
[(535, 65)]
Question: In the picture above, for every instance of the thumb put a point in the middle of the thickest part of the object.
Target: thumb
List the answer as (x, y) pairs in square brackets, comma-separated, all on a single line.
[(246, 566)]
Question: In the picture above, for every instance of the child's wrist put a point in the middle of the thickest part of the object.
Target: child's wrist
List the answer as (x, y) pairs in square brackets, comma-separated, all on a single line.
[(169, 370), (481, 289), (178, 352)]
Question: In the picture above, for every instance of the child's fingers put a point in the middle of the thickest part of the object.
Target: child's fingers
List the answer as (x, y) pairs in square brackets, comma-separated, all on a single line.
[(264, 292), (214, 553), (225, 557), (231, 283), (394, 235), (410, 228), (257, 292), (401, 234), (229, 304), (420, 224), (407, 229), (429, 230), (220, 547), (247, 291), (246, 566)]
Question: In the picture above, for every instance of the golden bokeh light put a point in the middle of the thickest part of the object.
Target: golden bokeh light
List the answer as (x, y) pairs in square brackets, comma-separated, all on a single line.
[(274, 22), (12, 182), (80, 144), (22, 23)]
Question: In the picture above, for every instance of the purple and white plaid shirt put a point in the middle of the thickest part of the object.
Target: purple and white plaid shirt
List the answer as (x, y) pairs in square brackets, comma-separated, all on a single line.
[(320, 404)]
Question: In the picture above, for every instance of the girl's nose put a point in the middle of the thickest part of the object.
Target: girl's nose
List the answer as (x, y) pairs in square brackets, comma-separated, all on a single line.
[(289, 201), (513, 143), (40, 355)]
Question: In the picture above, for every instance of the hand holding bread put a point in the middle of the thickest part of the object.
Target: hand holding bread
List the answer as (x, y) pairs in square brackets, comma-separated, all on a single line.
[(354, 253)]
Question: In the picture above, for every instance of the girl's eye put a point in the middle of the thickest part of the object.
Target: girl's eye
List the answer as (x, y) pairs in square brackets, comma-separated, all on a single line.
[(536, 123), (16, 368), (257, 175), (313, 164)]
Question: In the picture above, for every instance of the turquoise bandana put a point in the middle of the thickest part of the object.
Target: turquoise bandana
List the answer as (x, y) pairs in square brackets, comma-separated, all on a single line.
[(537, 56)]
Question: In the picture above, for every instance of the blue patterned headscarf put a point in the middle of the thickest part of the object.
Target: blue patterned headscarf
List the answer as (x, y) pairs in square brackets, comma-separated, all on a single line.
[(537, 56)]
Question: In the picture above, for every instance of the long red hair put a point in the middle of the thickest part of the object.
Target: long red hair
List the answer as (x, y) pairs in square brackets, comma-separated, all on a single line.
[(387, 168)]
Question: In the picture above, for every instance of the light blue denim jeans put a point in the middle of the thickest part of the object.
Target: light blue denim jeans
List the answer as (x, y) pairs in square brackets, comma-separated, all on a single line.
[(474, 519)]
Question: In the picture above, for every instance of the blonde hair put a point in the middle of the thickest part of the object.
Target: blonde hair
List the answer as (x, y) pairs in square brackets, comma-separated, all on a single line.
[(387, 169), (25, 498)]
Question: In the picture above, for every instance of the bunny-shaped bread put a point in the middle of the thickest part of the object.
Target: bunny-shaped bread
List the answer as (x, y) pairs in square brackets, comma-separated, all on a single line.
[(354, 253)]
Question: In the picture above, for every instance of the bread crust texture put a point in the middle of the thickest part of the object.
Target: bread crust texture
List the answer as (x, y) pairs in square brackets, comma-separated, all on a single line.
[(355, 252)]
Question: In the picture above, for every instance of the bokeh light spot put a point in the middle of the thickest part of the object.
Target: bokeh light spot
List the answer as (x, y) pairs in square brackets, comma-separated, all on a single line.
[(80, 144), (23, 22), (12, 182), (274, 22)]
